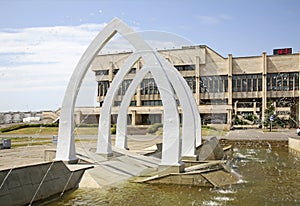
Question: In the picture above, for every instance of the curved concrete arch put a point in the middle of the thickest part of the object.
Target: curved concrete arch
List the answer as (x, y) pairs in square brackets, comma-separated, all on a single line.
[(171, 71), (170, 154), (121, 131), (189, 112), (191, 124), (171, 140), (65, 144)]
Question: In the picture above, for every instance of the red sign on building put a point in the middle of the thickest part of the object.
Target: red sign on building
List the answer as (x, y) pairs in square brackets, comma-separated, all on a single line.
[(282, 51)]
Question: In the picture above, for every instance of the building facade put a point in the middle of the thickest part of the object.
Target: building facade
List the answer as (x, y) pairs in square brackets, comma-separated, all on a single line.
[(228, 90)]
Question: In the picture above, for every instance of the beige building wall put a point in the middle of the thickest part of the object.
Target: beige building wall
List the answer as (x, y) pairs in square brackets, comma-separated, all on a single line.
[(208, 63)]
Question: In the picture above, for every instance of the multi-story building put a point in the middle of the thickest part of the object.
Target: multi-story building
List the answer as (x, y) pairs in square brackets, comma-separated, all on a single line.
[(225, 88)]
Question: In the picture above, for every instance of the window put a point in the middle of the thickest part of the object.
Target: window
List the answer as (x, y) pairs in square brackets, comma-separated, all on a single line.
[(185, 67), (291, 82), (282, 81), (133, 103), (101, 72), (191, 81), (285, 82), (123, 87), (268, 82), (213, 84), (115, 71), (249, 84), (102, 88), (225, 78), (246, 82), (148, 86), (152, 103), (132, 71), (296, 82), (234, 89), (259, 86), (238, 84), (254, 84), (203, 85), (148, 119)]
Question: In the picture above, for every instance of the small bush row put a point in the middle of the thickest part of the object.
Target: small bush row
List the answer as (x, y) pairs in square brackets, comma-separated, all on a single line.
[(20, 126), (208, 127), (153, 128)]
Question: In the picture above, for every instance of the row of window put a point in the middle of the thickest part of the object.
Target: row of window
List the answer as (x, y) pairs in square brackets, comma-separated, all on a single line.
[(103, 87), (123, 87), (118, 103), (101, 72), (185, 67), (283, 81), (214, 84), (247, 83), (133, 70), (148, 86)]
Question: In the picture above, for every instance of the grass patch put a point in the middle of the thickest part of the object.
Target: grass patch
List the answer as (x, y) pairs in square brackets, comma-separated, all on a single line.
[(30, 144), (212, 132), (20, 126), (86, 131), (206, 131), (35, 130), (27, 139), (52, 131)]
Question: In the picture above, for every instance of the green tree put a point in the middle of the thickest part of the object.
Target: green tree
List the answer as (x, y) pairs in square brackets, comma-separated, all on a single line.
[(270, 110)]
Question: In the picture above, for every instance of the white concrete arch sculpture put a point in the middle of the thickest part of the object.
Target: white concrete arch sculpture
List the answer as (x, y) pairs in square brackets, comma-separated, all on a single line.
[(167, 78), (191, 117)]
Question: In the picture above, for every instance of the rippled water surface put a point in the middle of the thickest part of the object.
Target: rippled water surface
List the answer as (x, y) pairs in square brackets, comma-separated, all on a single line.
[(270, 176)]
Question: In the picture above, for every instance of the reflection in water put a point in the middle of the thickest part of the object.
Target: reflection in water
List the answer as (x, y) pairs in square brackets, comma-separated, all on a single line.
[(271, 176)]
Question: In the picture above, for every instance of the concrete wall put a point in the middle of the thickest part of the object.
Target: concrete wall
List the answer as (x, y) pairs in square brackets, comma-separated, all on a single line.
[(294, 145), (28, 184)]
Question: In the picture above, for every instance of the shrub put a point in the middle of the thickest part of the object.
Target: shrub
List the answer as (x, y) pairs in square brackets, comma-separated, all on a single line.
[(238, 121), (208, 127), (251, 117), (153, 128), (20, 126), (113, 129)]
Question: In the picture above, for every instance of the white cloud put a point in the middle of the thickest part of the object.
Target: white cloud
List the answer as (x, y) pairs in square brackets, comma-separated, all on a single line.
[(212, 19), (40, 60)]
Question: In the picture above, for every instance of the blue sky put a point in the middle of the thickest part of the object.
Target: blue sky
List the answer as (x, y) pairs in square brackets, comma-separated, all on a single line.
[(42, 41)]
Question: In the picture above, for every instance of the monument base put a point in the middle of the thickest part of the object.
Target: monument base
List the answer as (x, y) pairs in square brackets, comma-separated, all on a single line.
[(189, 158), (168, 169), (106, 155), (73, 161)]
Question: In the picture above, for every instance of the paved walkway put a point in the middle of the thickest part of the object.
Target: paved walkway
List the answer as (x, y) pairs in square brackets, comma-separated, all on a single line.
[(260, 134)]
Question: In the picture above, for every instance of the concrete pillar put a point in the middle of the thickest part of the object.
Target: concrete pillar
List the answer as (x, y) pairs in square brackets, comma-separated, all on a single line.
[(110, 72), (77, 117), (229, 116), (235, 107), (138, 92), (197, 76), (133, 117), (254, 108), (229, 120), (264, 85)]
